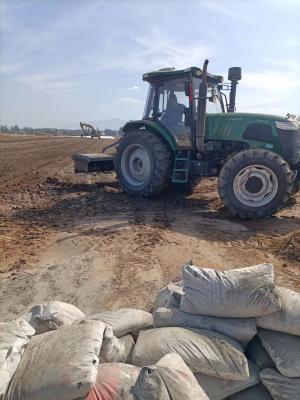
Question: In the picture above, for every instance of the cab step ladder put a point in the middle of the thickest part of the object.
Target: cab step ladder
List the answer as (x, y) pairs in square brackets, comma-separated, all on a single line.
[(181, 167)]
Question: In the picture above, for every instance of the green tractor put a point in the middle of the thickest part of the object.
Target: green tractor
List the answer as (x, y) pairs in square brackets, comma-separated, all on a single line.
[(190, 130)]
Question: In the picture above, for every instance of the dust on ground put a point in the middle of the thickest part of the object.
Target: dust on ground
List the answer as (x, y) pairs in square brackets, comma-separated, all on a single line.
[(79, 239)]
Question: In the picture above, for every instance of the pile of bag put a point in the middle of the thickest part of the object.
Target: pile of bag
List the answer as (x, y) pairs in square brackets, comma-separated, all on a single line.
[(212, 335), (245, 305)]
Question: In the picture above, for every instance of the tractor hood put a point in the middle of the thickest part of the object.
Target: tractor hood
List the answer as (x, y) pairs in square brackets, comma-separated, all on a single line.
[(231, 126), (273, 132)]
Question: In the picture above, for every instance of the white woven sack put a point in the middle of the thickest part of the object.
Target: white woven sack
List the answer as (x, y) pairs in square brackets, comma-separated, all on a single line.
[(125, 320), (52, 315), (14, 336), (284, 350), (279, 386), (288, 318), (60, 365), (219, 389), (240, 329), (237, 293), (206, 352)]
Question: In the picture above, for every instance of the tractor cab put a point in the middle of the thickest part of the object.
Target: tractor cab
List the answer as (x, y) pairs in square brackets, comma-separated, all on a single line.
[(172, 101)]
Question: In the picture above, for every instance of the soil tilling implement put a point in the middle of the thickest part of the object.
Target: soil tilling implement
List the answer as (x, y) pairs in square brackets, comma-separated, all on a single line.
[(189, 130)]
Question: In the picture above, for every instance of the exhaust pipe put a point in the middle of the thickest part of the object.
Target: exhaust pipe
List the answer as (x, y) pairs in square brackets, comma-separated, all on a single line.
[(201, 111), (234, 75)]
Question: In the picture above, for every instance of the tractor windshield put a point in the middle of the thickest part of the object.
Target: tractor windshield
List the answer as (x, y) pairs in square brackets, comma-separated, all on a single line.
[(214, 102)]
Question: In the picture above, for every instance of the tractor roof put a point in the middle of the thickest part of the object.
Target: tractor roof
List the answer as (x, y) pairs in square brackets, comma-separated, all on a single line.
[(171, 73)]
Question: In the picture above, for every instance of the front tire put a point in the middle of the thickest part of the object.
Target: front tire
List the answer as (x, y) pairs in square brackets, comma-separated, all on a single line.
[(143, 164), (255, 183)]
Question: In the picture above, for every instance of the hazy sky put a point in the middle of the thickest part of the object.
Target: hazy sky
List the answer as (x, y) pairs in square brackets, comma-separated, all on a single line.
[(62, 61)]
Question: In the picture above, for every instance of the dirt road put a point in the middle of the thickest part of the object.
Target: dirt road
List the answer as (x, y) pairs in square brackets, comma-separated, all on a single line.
[(80, 239)]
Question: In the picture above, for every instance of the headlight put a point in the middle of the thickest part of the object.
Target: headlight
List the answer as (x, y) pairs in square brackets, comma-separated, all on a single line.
[(287, 125)]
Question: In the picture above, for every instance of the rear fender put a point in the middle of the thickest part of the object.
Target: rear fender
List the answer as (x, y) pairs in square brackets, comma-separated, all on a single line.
[(152, 126)]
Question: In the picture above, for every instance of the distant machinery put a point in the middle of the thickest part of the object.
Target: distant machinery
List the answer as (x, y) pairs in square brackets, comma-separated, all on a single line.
[(88, 130)]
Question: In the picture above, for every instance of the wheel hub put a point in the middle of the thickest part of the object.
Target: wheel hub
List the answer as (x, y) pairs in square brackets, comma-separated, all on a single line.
[(255, 185), (138, 164), (135, 164)]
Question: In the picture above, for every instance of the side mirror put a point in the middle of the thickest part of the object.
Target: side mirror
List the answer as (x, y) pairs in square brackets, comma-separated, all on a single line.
[(187, 116)]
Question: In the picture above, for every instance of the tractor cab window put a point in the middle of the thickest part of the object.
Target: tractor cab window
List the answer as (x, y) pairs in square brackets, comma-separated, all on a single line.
[(172, 102), (149, 102), (167, 103), (214, 100)]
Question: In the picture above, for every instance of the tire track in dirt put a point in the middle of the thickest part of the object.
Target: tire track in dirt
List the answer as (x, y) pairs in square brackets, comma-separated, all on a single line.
[(137, 272), (112, 250), (25, 188), (38, 164)]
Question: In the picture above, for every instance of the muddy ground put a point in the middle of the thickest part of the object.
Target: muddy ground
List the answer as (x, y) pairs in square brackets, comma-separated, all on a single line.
[(80, 239)]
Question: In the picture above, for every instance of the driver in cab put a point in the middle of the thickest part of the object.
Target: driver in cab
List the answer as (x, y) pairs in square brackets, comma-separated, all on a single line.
[(172, 117)]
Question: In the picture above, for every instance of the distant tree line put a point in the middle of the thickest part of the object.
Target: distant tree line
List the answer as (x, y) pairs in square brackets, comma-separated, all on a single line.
[(52, 131), (15, 129)]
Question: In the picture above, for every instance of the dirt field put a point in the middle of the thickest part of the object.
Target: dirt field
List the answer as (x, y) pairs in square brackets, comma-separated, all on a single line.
[(80, 239)]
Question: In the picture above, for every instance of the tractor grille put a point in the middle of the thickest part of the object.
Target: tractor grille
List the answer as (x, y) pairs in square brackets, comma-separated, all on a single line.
[(290, 143)]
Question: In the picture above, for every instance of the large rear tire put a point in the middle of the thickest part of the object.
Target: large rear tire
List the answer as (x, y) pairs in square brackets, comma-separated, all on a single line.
[(255, 183), (143, 164)]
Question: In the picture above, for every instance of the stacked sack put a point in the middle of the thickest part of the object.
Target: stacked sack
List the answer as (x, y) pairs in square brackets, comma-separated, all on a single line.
[(14, 336), (213, 335), (277, 348), (236, 303), (54, 352)]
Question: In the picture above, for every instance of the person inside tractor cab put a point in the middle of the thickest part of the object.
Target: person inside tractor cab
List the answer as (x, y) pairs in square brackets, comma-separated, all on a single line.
[(172, 103), (173, 114)]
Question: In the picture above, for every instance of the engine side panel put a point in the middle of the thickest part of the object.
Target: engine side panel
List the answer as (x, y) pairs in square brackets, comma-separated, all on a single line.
[(255, 130)]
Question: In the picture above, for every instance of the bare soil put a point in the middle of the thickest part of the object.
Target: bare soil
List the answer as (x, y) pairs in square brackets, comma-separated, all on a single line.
[(79, 239)]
